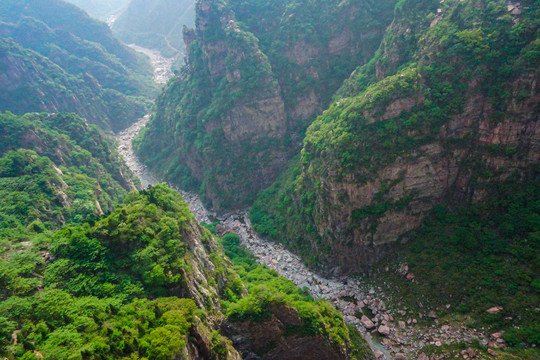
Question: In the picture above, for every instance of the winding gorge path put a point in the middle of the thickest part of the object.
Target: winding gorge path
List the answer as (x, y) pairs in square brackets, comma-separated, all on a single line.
[(387, 337)]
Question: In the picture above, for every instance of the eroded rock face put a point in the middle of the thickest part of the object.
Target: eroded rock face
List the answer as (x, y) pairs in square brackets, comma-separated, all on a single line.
[(269, 340), (427, 123), (251, 85), (432, 174)]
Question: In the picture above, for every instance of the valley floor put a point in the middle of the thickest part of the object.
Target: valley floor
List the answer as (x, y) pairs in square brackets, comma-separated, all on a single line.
[(391, 333)]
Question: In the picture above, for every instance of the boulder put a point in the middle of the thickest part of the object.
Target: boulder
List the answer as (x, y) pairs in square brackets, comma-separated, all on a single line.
[(384, 330), (494, 310), (367, 323)]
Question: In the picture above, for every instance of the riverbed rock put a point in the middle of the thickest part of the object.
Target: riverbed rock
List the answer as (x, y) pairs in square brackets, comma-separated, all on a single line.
[(383, 330), (367, 323)]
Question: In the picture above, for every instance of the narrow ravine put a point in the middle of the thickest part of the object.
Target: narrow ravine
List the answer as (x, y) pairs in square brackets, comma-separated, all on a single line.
[(387, 337)]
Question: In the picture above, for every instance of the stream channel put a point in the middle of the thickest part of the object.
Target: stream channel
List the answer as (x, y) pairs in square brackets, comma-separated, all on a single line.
[(388, 339)]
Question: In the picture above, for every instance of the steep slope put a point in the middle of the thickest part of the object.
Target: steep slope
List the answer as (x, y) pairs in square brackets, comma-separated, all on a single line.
[(446, 109), (434, 143), (56, 169), (146, 282), (55, 58), (156, 24), (257, 74)]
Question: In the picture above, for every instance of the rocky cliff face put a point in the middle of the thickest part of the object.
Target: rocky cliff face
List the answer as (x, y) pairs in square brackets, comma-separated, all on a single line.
[(252, 338), (254, 78), (442, 129)]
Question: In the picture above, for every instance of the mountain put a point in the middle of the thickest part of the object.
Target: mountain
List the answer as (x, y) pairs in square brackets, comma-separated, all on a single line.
[(428, 160), (56, 169), (439, 116), (156, 24), (257, 74), (101, 9), (55, 58), (147, 281)]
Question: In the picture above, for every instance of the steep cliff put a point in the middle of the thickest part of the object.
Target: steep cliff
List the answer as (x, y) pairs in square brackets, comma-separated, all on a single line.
[(54, 58), (147, 281), (446, 110), (256, 75), (156, 24)]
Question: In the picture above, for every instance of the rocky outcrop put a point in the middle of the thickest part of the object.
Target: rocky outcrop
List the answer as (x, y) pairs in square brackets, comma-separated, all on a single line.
[(437, 132), (434, 173), (270, 339), (237, 111)]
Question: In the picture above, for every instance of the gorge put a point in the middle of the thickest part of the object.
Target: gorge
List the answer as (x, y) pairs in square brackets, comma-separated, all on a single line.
[(348, 294), (270, 180)]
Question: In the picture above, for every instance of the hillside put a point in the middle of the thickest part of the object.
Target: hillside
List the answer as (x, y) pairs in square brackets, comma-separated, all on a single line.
[(101, 9), (429, 156), (146, 282), (156, 24), (55, 58), (56, 169), (418, 132), (257, 74)]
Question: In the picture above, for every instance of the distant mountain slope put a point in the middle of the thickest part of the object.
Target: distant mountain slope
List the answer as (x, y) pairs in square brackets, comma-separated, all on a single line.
[(156, 24), (101, 9), (56, 58)]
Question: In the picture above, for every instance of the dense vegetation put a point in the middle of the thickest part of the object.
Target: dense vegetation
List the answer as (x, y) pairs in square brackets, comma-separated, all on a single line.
[(84, 277), (55, 58), (156, 24), (55, 169), (267, 290), (448, 85), (121, 286), (251, 86), (73, 294), (479, 256), (361, 136)]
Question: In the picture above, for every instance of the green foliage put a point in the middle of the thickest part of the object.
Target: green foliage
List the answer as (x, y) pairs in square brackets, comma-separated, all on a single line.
[(77, 293), (267, 291), (55, 169), (136, 250), (479, 256), (361, 133), (56, 58), (61, 326), (473, 255), (291, 52)]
